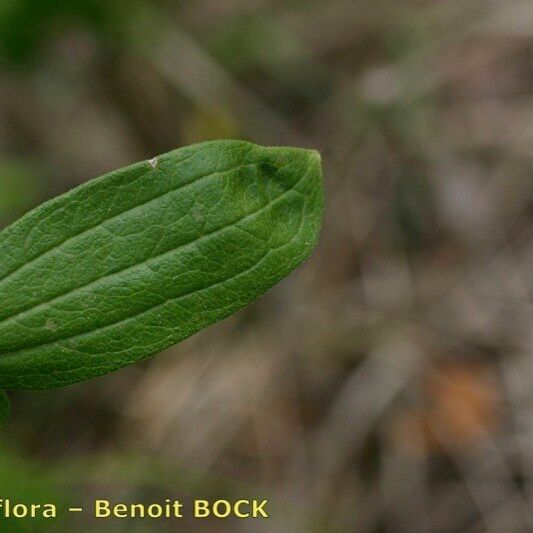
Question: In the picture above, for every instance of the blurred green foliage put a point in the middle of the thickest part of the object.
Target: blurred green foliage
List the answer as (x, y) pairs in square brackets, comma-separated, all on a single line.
[(28, 483), (20, 188), (26, 24), (257, 38)]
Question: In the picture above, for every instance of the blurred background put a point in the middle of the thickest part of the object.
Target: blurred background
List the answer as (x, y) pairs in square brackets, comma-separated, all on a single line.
[(383, 387)]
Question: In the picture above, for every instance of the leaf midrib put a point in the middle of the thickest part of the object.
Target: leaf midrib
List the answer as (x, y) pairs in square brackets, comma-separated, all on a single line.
[(83, 233), (23, 312)]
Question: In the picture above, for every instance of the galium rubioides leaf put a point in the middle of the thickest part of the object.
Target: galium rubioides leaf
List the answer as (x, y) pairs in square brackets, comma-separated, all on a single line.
[(137, 260)]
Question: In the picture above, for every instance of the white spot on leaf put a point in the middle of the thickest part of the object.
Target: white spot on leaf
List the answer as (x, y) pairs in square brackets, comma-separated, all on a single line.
[(50, 325)]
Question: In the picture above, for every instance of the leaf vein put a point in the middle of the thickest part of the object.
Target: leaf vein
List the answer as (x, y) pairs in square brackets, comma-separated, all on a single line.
[(152, 259)]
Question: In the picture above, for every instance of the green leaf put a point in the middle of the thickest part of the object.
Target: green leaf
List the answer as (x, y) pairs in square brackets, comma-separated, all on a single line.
[(139, 259), (5, 408)]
